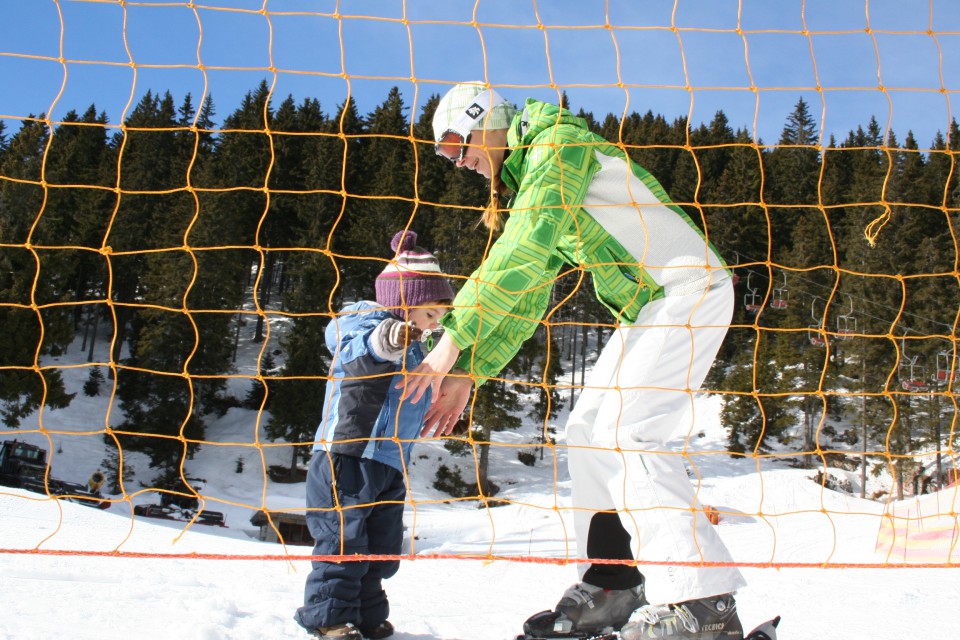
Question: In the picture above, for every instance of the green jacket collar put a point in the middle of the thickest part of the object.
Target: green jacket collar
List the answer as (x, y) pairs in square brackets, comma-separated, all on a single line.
[(529, 123)]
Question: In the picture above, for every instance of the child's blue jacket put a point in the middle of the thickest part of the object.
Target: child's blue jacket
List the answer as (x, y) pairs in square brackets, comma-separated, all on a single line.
[(362, 412)]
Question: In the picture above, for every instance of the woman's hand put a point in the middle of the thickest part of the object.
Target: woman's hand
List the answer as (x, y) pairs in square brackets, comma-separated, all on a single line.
[(447, 406), (431, 371)]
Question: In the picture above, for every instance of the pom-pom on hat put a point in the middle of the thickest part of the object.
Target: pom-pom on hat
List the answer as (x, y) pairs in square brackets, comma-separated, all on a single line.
[(413, 278)]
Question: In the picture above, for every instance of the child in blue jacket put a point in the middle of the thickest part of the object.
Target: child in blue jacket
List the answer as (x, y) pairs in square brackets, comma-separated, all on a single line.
[(355, 484)]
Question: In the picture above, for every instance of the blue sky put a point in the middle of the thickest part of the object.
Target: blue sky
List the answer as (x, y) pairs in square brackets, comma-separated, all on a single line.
[(325, 49)]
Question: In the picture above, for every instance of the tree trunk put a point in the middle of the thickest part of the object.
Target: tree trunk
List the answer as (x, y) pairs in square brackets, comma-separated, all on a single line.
[(863, 431), (938, 481), (573, 366), (236, 337), (483, 460), (584, 335), (293, 464), (123, 315)]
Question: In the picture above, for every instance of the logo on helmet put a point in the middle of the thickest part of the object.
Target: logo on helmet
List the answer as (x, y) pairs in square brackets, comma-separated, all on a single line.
[(474, 111)]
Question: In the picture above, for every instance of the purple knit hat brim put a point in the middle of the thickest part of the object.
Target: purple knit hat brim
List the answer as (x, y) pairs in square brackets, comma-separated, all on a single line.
[(418, 289), (413, 278)]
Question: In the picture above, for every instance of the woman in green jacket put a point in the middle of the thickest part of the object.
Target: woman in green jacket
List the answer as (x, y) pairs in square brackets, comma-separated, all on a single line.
[(579, 201)]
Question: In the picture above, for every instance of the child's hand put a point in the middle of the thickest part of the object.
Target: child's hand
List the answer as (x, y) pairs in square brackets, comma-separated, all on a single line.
[(389, 341)]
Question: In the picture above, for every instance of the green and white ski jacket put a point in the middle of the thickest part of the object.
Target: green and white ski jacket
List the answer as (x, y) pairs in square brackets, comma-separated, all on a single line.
[(581, 203)]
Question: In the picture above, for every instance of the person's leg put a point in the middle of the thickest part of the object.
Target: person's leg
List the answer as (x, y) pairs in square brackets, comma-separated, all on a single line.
[(607, 593), (337, 523), (385, 535), (619, 459), (661, 505), (599, 532)]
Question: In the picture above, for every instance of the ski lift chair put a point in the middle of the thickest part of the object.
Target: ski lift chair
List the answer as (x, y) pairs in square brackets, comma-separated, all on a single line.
[(913, 376), (847, 323), (751, 301), (815, 331), (946, 368), (733, 269), (781, 295)]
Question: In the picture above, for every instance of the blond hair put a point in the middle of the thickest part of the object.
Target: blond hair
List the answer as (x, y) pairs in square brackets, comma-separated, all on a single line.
[(492, 217)]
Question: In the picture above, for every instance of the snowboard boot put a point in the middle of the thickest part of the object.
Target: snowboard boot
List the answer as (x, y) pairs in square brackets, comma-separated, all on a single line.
[(344, 631), (585, 609), (382, 630), (713, 618)]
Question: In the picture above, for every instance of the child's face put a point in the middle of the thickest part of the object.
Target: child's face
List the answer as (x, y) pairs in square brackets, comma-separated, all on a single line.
[(427, 316)]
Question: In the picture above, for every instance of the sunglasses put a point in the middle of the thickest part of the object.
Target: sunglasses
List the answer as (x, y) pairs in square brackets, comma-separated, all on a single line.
[(453, 146)]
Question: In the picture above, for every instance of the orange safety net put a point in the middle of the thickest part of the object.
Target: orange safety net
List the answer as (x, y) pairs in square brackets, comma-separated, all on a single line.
[(873, 340)]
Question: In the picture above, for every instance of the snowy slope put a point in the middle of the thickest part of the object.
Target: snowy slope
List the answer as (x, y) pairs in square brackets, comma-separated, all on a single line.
[(771, 513)]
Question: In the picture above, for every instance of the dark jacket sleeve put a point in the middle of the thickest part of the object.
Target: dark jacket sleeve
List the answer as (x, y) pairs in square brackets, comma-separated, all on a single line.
[(365, 383)]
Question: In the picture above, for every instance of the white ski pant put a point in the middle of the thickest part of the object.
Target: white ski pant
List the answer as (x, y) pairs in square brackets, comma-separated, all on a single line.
[(640, 396)]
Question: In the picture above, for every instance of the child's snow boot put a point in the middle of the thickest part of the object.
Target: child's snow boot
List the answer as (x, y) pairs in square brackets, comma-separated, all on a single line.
[(380, 631), (345, 631)]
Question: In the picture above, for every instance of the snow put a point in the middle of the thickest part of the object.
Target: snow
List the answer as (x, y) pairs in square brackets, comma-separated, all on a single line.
[(71, 571)]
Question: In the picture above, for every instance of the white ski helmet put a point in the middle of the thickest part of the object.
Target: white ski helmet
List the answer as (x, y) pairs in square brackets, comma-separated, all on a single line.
[(469, 105)]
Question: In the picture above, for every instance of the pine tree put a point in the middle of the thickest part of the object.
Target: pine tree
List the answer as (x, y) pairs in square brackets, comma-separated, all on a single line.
[(388, 159), (30, 333), (545, 371), (737, 226), (296, 394), (159, 402), (116, 474), (656, 146), (341, 168), (78, 218), (793, 170), (610, 129), (91, 387), (494, 409), (870, 357), (219, 271)]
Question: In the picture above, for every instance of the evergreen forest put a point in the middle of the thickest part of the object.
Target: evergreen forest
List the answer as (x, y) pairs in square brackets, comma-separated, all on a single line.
[(160, 231)]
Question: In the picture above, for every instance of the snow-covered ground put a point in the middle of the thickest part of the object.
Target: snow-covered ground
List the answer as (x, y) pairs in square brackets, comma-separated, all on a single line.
[(69, 571)]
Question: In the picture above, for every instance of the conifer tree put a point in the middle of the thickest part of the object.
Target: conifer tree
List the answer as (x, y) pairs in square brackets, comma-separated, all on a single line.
[(494, 408), (158, 401), (654, 145), (870, 356), (793, 172), (22, 389), (388, 188), (546, 372), (610, 129), (737, 226), (91, 387), (77, 216), (219, 272), (591, 121), (436, 226), (343, 172), (451, 202), (742, 413), (296, 394)]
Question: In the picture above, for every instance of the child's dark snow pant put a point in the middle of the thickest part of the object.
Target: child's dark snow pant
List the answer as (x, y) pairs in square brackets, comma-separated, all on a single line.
[(351, 591)]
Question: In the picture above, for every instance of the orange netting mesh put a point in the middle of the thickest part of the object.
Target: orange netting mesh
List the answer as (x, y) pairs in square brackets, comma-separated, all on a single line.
[(843, 316)]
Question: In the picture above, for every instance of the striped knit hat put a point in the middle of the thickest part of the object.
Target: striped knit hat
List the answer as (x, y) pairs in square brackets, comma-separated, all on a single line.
[(417, 271)]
